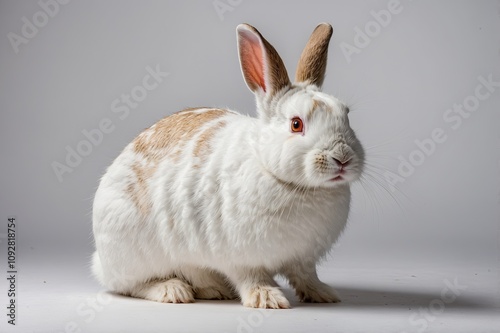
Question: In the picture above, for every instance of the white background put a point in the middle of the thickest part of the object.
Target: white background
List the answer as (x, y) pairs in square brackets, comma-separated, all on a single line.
[(404, 243)]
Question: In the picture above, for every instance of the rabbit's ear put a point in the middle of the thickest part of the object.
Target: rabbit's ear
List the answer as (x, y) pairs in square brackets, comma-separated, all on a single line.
[(312, 64), (262, 67)]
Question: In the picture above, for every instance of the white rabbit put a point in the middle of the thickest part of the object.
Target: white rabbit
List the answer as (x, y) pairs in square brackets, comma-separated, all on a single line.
[(211, 204)]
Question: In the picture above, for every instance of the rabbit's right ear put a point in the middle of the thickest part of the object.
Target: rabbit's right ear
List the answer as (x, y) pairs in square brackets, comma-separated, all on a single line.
[(262, 67), (312, 64)]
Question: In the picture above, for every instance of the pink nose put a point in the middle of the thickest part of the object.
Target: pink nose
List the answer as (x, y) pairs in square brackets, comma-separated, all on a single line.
[(340, 164)]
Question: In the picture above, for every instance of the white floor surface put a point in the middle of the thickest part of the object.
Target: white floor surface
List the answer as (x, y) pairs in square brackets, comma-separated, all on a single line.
[(376, 297)]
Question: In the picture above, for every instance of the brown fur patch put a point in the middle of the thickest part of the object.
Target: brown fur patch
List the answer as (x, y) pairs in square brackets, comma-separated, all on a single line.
[(167, 138), (138, 190), (170, 132), (202, 148), (316, 105)]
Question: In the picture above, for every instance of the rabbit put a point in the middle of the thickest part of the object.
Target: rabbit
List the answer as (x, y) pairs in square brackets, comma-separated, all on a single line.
[(211, 204)]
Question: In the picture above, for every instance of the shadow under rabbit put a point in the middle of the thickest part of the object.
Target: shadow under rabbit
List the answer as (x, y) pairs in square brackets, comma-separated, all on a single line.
[(353, 296)]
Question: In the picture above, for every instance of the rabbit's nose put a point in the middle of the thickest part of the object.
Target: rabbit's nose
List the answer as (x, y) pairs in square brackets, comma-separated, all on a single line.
[(341, 153), (341, 162)]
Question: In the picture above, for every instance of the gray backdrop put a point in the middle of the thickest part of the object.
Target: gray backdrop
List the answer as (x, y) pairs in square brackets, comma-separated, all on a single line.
[(415, 73)]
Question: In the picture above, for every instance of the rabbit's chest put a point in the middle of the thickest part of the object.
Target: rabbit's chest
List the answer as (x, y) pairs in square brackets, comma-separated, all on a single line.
[(277, 224)]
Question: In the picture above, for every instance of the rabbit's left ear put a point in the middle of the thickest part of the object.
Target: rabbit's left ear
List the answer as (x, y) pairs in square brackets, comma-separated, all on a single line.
[(312, 64), (262, 67)]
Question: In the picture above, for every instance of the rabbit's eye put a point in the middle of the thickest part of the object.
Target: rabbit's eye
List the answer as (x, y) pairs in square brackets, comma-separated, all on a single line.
[(297, 125)]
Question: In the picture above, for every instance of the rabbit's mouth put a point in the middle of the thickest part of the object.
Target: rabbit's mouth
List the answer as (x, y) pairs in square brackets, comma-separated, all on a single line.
[(336, 179), (341, 171), (342, 176)]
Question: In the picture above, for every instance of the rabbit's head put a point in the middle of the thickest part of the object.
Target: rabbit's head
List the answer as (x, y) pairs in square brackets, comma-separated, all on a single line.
[(304, 134)]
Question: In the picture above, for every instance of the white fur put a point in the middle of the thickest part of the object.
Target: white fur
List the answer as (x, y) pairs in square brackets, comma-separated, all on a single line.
[(256, 207)]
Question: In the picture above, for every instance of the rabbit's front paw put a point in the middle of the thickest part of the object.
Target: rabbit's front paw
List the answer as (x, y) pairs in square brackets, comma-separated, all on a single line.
[(265, 297)]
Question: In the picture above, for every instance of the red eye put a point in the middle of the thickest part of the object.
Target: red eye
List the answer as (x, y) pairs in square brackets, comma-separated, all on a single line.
[(297, 126)]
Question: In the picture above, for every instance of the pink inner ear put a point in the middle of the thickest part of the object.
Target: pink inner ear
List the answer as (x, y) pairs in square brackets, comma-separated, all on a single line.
[(252, 60)]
